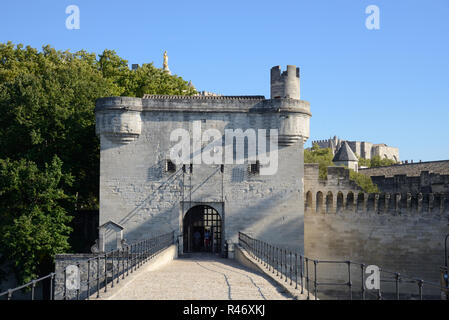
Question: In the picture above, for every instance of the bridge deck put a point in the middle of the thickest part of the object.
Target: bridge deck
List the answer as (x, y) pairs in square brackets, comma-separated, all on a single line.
[(199, 276)]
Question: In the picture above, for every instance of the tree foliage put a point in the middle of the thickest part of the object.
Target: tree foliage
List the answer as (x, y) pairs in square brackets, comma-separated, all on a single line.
[(322, 156), (375, 161), (34, 221), (47, 101), (363, 181)]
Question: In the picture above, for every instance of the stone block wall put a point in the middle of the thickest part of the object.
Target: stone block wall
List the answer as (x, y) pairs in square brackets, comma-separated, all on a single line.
[(323, 195), (400, 233), (401, 230)]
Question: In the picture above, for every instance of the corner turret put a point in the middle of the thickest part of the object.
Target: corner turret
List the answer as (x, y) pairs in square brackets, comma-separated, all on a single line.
[(285, 85)]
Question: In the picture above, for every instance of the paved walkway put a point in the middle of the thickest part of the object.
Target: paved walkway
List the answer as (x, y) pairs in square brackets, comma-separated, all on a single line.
[(200, 277)]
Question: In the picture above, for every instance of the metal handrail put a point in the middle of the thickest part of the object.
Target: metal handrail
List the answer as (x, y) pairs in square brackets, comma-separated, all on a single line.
[(280, 260), (117, 263)]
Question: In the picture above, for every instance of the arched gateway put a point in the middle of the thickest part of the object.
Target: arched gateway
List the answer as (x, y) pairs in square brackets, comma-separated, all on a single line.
[(199, 221)]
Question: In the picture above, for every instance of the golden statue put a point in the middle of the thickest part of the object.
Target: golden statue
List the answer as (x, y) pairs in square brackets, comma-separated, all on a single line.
[(165, 65)]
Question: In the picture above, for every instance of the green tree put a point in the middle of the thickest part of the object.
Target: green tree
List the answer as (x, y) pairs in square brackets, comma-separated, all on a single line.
[(377, 161), (150, 80), (34, 221), (47, 101), (363, 181), (322, 156), (364, 162)]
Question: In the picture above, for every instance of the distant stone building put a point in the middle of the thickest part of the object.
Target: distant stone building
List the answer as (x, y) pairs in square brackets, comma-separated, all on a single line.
[(361, 148), (346, 157)]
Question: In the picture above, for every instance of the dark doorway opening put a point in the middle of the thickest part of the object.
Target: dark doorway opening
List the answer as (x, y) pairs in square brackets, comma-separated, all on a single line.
[(202, 230)]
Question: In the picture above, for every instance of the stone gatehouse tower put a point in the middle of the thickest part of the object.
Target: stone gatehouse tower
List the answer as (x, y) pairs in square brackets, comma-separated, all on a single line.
[(146, 193)]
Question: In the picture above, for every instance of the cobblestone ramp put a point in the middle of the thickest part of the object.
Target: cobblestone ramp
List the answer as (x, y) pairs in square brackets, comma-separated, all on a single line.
[(199, 277)]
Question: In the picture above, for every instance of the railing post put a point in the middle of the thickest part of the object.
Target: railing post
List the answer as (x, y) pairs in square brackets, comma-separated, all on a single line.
[(123, 262), (266, 254), (98, 276), (141, 254), (307, 279), (420, 285), (112, 282), (119, 250), (65, 283), (253, 248), (277, 261), (269, 257), (138, 244), (33, 286), (296, 270), (127, 261), (79, 289), (131, 251), (291, 267), (148, 249), (264, 248), (88, 278), (52, 282), (257, 250), (301, 265), (315, 282), (349, 280), (397, 278), (286, 265), (105, 272), (282, 267)]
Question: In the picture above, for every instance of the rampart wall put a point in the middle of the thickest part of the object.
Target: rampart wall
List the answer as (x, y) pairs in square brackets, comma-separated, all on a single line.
[(401, 232)]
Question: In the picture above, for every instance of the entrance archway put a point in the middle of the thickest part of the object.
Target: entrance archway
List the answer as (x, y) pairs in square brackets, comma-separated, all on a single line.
[(200, 221)]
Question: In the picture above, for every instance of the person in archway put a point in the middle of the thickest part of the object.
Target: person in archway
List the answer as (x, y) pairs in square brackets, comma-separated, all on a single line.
[(197, 240), (207, 239)]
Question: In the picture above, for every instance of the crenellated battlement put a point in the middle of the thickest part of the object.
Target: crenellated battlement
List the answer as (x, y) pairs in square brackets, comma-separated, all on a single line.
[(339, 194), (285, 84), (319, 141), (337, 179), (426, 183), (178, 97), (327, 202)]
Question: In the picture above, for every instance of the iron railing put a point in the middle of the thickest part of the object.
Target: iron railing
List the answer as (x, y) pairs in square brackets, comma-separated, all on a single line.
[(302, 272), (98, 272)]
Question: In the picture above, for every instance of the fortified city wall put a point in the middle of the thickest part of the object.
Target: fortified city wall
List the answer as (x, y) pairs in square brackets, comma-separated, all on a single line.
[(402, 232)]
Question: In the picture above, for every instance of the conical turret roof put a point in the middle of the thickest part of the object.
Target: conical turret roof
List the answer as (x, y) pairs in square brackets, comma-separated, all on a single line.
[(345, 153)]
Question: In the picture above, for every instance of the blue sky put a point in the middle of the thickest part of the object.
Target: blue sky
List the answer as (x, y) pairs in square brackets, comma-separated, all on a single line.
[(384, 86)]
